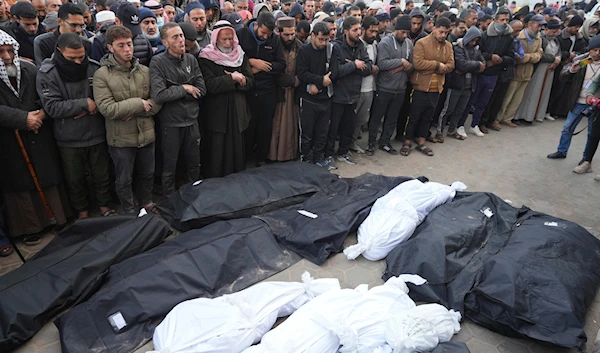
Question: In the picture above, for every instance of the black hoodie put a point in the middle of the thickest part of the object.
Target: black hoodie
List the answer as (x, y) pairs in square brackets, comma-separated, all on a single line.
[(346, 78)]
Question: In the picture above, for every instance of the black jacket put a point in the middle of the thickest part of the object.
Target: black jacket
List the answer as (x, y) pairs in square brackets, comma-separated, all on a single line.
[(44, 45), (347, 79), (502, 46), (168, 74), (40, 147), (311, 67), (575, 81), (24, 39), (270, 51), (466, 60), (580, 46)]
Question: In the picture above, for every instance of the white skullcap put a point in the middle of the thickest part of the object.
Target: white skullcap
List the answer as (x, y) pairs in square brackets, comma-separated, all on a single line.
[(105, 16)]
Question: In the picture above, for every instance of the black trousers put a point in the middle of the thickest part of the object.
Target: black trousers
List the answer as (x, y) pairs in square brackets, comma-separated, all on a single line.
[(260, 129), (187, 141), (494, 104), (385, 105), (314, 126), (403, 115), (421, 112), (592, 144), (343, 117)]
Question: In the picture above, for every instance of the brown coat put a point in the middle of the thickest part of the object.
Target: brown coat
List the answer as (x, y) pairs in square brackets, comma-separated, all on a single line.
[(533, 54), (428, 54)]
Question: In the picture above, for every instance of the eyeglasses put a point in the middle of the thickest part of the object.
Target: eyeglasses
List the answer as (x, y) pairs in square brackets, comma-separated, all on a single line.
[(76, 25)]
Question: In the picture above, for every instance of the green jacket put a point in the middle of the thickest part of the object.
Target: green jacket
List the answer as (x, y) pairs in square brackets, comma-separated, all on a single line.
[(118, 92)]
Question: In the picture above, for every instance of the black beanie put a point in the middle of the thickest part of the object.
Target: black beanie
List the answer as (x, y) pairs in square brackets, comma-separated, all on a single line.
[(576, 21), (403, 23)]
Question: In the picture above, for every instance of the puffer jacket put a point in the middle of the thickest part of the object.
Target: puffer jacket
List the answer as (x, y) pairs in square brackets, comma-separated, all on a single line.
[(346, 78), (63, 101), (426, 61), (119, 92), (533, 54), (390, 55), (142, 49)]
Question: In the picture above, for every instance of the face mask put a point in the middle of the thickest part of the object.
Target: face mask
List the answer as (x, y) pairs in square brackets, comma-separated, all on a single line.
[(500, 27), (160, 22)]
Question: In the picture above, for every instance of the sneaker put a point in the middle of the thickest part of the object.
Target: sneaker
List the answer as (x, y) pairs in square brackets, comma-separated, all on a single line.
[(461, 131), (322, 163), (539, 120), (356, 148), (331, 165), (475, 131), (389, 149), (585, 167), (370, 149), (347, 157), (557, 155), (549, 117)]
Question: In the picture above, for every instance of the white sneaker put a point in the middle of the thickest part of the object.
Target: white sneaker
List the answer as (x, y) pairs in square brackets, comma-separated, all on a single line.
[(549, 117), (461, 131), (475, 131), (539, 120), (356, 148)]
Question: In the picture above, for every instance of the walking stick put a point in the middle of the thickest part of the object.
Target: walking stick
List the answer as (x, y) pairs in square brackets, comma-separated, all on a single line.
[(35, 179), (541, 93)]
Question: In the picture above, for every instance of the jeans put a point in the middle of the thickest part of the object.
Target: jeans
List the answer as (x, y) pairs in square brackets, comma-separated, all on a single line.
[(565, 137), (480, 98), (421, 112), (363, 112), (343, 117), (130, 160), (314, 125), (176, 140), (386, 105), (494, 104)]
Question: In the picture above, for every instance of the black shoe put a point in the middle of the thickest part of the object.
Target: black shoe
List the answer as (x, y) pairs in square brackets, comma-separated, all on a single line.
[(517, 122), (370, 149), (557, 155), (389, 149)]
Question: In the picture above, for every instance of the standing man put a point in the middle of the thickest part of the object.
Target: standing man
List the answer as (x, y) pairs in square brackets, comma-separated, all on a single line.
[(284, 142), (4, 19), (64, 87), (194, 14), (266, 57), (149, 28), (128, 117), (40, 6), (286, 6), (395, 55), (241, 5), (315, 89), (433, 59), (349, 64), (370, 29), (70, 20), (470, 17), (177, 84), (25, 27), (532, 49), (309, 9)]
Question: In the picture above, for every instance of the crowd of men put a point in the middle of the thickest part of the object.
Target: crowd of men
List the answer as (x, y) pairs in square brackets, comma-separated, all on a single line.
[(106, 97)]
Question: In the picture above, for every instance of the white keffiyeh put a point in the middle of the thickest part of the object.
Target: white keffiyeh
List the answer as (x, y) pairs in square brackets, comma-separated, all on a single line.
[(7, 39)]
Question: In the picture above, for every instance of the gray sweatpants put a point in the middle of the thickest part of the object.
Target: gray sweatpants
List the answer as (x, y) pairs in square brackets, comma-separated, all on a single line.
[(363, 112)]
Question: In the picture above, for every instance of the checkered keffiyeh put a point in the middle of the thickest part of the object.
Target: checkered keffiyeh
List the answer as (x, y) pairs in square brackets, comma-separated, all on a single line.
[(7, 39)]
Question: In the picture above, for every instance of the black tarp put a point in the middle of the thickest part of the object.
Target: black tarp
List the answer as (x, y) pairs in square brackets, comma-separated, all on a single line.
[(518, 272), (451, 347), (340, 209), (222, 258), (245, 194), (69, 271)]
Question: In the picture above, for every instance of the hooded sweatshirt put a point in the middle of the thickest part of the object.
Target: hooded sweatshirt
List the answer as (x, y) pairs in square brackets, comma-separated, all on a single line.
[(466, 61), (296, 9), (416, 12), (209, 4), (390, 54), (501, 44), (259, 7), (585, 29)]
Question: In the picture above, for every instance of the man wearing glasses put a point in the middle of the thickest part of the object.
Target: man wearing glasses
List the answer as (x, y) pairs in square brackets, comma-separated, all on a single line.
[(70, 19)]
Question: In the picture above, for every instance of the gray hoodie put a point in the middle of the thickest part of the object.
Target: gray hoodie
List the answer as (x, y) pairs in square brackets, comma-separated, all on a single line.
[(389, 56)]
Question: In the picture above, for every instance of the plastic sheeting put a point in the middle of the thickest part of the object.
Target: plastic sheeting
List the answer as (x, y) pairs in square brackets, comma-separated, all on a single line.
[(515, 271), (245, 194), (222, 258), (232, 323), (69, 271), (318, 227), (395, 216)]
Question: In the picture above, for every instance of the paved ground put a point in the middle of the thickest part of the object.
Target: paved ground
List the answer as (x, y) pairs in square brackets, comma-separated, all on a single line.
[(511, 164)]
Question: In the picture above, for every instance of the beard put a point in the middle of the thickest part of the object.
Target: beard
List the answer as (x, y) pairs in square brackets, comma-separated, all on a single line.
[(369, 40), (225, 50), (12, 71), (288, 44), (152, 36)]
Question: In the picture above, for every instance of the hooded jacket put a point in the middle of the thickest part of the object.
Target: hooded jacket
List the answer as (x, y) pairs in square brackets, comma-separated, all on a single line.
[(585, 28), (271, 51), (212, 4), (63, 101), (296, 9), (119, 92), (259, 7), (389, 56), (426, 60), (416, 12), (564, 39), (500, 44), (346, 78), (168, 74), (466, 60), (533, 54)]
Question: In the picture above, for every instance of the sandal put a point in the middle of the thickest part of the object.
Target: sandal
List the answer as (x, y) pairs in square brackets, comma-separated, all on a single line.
[(110, 213), (151, 208), (456, 136), (432, 139), (425, 150), (405, 150), (439, 137), (32, 239), (6, 250)]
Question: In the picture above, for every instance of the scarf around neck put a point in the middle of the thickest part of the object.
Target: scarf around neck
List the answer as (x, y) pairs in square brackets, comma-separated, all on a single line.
[(7, 39), (70, 71)]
